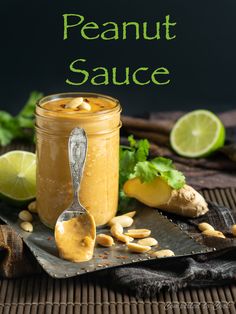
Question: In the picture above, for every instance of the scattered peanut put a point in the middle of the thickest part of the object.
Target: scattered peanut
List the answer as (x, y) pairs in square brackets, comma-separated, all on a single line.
[(25, 215), (32, 207), (233, 230), (137, 248), (116, 229), (104, 240), (76, 102), (205, 226), (163, 253), (26, 226), (117, 232), (213, 233), (148, 242), (124, 221), (138, 233), (130, 214), (124, 238)]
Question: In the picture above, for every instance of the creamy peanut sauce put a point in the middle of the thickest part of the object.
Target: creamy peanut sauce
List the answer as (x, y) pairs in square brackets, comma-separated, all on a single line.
[(99, 185), (75, 238)]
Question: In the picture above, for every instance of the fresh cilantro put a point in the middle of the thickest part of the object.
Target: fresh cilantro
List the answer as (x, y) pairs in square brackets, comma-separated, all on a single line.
[(134, 163), (130, 156), (145, 171), (132, 142), (20, 126), (162, 164), (174, 178)]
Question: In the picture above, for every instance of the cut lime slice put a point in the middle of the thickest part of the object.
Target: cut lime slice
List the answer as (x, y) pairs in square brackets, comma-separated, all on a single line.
[(197, 134), (18, 176)]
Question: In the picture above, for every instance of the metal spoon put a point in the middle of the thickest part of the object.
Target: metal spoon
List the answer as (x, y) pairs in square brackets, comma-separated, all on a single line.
[(75, 229)]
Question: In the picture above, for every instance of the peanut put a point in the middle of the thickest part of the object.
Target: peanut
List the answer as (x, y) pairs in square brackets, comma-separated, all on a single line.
[(213, 233), (233, 230), (32, 207), (137, 248), (116, 229), (75, 103), (205, 226), (148, 242), (25, 215), (130, 214), (138, 233), (124, 221), (85, 106), (104, 240), (163, 253), (79, 103), (124, 238), (117, 232), (26, 226)]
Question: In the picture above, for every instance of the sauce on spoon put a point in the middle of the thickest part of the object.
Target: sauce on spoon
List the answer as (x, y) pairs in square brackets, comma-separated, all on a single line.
[(75, 238)]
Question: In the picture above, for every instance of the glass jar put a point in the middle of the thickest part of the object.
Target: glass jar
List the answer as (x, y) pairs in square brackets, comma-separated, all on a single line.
[(99, 186)]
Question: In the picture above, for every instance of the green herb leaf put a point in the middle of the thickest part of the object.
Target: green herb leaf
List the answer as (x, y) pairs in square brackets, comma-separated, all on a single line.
[(174, 178), (145, 171), (142, 150), (132, 141), (162, 164), (21, 126), (134, 163), (29, 108), (6, 136)]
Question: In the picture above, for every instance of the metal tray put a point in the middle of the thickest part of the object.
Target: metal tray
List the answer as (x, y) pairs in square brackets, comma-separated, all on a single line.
[(42, 245)]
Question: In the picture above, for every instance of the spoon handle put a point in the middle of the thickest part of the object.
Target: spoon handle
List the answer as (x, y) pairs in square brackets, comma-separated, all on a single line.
[(77, 148)]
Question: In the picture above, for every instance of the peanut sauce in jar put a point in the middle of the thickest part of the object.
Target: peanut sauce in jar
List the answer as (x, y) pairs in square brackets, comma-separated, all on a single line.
[(56, 116)]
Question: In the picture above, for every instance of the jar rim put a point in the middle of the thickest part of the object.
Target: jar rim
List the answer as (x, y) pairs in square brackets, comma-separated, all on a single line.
[(51, 97)]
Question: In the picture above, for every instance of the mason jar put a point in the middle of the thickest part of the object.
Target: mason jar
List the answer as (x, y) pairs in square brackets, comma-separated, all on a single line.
[(99, 186)]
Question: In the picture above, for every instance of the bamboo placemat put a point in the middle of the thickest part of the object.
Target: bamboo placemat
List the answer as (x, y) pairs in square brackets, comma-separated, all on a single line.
[(42, 294), (46, 295)]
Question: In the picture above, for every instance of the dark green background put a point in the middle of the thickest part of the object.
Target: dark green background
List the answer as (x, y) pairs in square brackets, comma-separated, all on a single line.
[(201, 60)]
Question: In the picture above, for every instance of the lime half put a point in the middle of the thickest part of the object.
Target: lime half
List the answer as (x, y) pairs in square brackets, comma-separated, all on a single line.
[(18, 176), (197, 134)]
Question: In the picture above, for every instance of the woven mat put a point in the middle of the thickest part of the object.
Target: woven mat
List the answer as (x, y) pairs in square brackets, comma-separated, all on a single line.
[(42, 294)]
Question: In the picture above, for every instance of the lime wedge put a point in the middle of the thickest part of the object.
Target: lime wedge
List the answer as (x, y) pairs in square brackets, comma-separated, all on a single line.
[(18, 176), (197, 134)]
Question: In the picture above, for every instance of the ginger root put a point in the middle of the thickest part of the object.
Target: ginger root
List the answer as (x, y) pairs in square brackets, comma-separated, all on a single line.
[(185, 201)]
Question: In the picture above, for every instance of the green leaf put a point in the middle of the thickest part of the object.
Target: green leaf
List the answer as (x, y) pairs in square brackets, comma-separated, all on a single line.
[(127, 161), (21, 126), (5, 117), (127, 164), (142, 150), (29, 108), (9, 128), (26, 122), (174, 178), (145, 171), (162, 164), (133, 163), (6, 136), (132, 141)]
